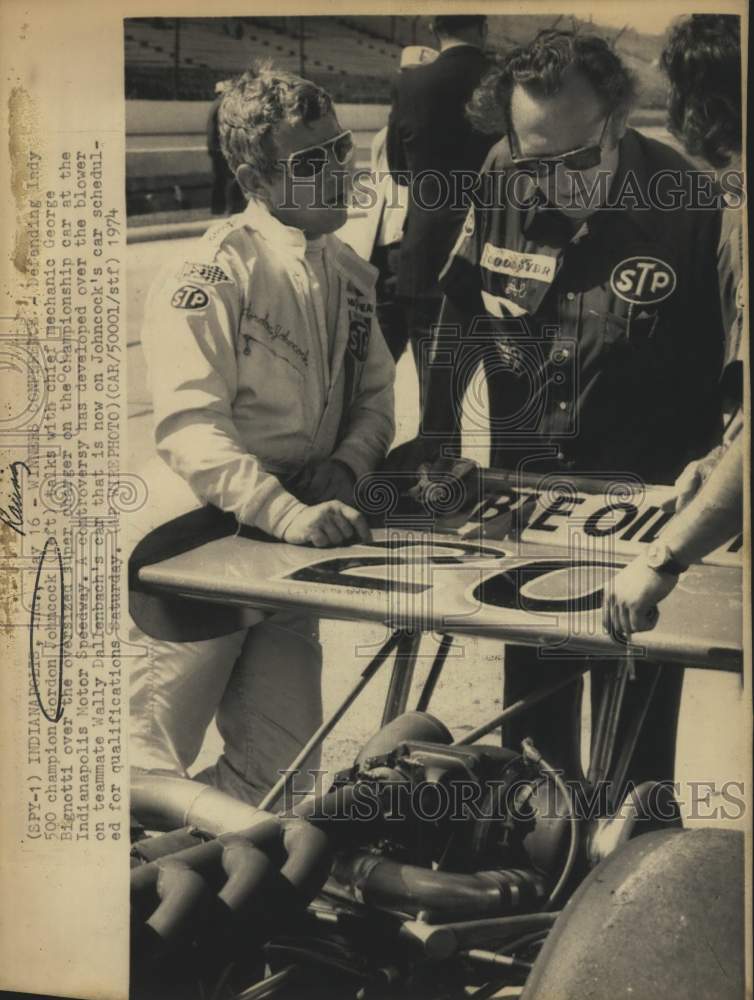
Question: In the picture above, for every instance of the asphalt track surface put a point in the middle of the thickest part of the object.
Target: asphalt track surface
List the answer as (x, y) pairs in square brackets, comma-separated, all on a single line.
[(711, 742)]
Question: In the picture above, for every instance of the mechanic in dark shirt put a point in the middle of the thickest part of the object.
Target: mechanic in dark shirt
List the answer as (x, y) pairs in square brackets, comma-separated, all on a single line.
[(585, 282)]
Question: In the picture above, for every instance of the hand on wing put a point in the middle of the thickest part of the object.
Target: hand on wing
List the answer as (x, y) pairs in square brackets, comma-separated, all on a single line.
[(632, 597), (327, 524)]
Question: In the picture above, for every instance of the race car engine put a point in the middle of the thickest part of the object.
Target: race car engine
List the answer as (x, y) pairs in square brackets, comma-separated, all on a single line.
[(444, 832)]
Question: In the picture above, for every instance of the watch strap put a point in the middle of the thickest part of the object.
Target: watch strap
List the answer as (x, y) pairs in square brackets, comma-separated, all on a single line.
[(672, 566)]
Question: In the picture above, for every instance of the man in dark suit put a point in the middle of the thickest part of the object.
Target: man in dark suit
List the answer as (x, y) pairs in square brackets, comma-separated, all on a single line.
[(429, 144)]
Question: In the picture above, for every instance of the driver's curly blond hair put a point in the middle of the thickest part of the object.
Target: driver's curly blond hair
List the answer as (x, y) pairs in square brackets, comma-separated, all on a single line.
[(253, 104)]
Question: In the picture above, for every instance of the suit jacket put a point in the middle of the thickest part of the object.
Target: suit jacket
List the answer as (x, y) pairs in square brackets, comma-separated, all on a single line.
[(428, 132)]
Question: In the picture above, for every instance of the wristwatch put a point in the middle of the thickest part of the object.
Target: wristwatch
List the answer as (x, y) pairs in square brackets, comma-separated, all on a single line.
[(661, 560)]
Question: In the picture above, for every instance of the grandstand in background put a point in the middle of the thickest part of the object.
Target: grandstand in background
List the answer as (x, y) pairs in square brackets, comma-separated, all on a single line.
[(355, 58), (183, 58), (178, 61)]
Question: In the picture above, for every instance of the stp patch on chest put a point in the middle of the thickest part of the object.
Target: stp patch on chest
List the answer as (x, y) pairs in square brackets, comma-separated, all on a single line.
[(644, 280)]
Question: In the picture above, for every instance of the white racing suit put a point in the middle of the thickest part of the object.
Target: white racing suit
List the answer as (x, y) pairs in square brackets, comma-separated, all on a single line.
[(254, 372)]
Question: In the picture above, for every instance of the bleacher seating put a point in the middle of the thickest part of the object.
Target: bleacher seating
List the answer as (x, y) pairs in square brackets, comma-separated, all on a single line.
[(334, 54), (355, 57)]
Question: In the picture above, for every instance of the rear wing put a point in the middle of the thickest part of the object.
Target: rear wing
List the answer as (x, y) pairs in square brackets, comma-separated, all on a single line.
[(521, 559)]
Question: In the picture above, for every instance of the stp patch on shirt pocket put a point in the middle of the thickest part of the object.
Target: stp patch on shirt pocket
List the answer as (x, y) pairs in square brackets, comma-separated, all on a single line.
[(643, 280)]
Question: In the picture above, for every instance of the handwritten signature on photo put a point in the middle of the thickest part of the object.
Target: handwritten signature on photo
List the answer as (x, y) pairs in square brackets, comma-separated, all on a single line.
[(49, 589)]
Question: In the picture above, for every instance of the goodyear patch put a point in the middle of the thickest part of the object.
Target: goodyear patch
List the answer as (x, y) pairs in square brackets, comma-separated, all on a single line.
[(189, 297), (537, 266), (208, 274), (643, 280)]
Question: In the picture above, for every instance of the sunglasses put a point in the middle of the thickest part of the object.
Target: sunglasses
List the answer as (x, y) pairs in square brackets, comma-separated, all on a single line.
[(583, 158), (311, 161)]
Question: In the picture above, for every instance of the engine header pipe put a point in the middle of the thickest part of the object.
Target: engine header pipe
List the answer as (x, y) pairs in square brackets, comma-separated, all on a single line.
[(304, 847), (246, 874), (182, 893), (167, 802), (246, 868)]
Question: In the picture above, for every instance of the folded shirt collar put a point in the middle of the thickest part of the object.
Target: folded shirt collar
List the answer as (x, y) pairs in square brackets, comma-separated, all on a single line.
[(257, 216)]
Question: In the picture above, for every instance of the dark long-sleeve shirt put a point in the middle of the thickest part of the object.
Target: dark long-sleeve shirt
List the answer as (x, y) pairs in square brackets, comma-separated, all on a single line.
[(602, 348)]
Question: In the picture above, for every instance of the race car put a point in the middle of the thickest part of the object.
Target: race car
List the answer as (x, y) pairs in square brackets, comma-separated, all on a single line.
[(439, 866)]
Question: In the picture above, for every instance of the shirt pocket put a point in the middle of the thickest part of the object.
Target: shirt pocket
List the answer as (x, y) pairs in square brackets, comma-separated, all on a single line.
[(630, 329), (633, 347)]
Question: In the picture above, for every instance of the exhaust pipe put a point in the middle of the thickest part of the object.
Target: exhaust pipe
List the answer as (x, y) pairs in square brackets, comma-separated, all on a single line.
[(281, 862), (437, 895)]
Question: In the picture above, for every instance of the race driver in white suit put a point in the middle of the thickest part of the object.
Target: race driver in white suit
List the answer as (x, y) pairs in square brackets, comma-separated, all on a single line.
[(273, 393)]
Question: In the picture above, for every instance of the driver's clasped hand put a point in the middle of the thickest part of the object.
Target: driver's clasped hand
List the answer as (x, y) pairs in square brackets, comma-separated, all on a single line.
[(328, 524)]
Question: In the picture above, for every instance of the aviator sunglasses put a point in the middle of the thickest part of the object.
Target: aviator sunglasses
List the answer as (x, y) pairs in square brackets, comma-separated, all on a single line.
[(311, 161), (582, 158)]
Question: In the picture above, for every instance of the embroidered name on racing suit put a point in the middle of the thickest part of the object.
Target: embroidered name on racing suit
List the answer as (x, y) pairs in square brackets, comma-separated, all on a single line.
[(276, 333)]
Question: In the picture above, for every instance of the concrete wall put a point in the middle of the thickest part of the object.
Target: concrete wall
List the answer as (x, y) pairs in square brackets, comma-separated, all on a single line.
[(168, 137), (190, 117)]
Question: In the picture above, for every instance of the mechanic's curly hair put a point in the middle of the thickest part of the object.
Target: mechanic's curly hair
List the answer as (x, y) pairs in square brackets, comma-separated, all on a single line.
[(542, 68), (254, 103), (702, 58)]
